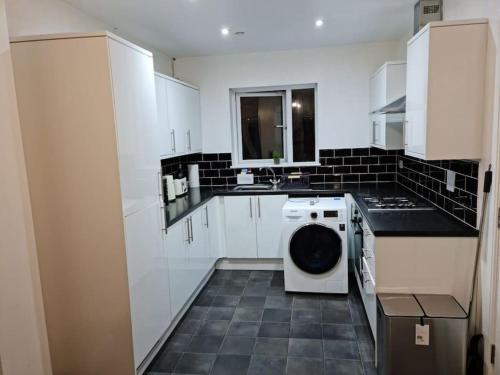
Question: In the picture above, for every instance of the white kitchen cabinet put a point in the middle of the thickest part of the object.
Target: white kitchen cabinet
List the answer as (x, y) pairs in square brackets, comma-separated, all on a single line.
[(178, 265), (213, 222), (199, 259), (445, 90), (241, 236), (253, 226), (183, 103), (148, 276), (165, 134), (269, 225), (387, 85)]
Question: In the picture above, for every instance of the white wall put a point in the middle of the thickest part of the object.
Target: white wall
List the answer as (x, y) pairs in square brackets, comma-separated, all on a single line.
[(31, 17), (488, 284), (342, 74), (23, 336)]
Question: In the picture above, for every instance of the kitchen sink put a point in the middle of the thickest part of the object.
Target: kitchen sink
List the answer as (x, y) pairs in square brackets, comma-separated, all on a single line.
[(252, 187)]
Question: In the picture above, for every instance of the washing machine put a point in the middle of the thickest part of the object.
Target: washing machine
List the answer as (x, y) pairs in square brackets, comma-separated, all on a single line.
[(315, 241)]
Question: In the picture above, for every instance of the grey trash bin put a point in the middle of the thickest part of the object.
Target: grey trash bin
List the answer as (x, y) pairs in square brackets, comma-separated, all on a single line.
[(436, 322)]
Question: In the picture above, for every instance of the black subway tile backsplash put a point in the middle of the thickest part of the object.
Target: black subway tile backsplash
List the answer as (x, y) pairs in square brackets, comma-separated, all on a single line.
[(428, 179)]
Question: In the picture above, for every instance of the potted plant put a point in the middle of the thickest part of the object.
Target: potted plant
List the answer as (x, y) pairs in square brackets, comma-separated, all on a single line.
[(276, 157)]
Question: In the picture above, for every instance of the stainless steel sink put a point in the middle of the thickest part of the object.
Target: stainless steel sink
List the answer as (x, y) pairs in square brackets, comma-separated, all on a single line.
[(252, 187)]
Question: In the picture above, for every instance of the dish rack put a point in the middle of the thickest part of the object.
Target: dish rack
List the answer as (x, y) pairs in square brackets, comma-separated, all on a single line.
[(296, 180)]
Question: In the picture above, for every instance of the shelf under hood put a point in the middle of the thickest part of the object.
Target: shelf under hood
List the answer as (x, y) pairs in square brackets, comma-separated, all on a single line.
[(397, 106)]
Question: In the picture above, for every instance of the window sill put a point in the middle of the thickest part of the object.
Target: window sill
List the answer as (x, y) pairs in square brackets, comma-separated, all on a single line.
[(271, 165)]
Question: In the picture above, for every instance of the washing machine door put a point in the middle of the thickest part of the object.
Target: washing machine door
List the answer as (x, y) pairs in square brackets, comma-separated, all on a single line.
[(315, 248)]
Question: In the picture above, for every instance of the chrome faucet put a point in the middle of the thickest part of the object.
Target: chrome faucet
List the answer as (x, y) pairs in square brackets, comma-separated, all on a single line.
[(274, 181)]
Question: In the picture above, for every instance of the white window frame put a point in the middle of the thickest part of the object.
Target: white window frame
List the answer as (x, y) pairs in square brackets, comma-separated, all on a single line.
[(286, 92)]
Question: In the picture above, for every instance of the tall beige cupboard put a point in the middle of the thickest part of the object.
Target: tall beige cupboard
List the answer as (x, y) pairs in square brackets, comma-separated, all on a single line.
[(88, 118)]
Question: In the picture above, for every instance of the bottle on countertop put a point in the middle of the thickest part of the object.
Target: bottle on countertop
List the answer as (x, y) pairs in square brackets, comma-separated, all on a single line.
[(179, 174)]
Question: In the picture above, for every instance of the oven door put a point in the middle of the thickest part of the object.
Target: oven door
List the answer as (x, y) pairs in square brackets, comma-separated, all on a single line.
[(357, 232)]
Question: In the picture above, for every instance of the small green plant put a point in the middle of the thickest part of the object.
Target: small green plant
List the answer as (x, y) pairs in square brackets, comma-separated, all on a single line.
[(276, 157)]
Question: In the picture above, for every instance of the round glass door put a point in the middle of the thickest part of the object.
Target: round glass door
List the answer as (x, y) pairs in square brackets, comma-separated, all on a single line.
[(315, 248)]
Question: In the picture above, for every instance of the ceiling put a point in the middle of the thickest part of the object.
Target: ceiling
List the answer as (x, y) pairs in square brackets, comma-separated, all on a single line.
[(183, 28)]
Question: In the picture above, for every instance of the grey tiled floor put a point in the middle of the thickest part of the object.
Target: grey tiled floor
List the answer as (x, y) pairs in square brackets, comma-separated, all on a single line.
[(243, 322)]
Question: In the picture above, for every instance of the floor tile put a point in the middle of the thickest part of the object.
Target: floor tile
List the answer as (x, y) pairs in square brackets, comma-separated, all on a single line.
[(278, 282), (189, 326), (197, 312), (261, 274), (252, 301), (278, 302), (178, 342), (205, 344), (240, 273), (370, 368), (204, 300), (247, 329), (363, 333), (222, 274), (256, 290), (191, 363), (306, 331), (334, 305), (238, 345), (248, 314), (305, 348), (226, 301), (278, 330), (211, 290), (277, 315), (260, 282), (240, 282), (220, 313), (367, 351), (276, 291), (265, 365), (229, 290), (167, 362), (306, 303), (341, 349), (338, 332), (213, 328), (306, 316), (304, 366), (231, 365), (336, 316), (271, 346), (343, 367)]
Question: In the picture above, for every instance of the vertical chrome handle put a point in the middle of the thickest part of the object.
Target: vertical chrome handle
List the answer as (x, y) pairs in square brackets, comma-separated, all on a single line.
[(191, 226), (160, 187), (258, 205), (206, 215), (188, 239), (172, 136), (404, 132), (250, 201), (163, 219), (188, 135)]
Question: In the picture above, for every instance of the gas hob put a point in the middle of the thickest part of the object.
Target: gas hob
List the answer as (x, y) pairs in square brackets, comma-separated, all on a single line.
[(396, 204)]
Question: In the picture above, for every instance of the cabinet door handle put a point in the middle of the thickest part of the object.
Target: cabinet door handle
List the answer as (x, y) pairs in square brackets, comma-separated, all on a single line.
[(258, 205), (251, 213), (188, 239), (191, 226), (160, 187), (189, 140), (172, 134), (206, 215), (163, 219), (404, 132)]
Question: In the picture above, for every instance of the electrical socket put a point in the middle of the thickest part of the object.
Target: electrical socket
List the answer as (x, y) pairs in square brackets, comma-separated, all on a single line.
[(400, 163), (450, 180)]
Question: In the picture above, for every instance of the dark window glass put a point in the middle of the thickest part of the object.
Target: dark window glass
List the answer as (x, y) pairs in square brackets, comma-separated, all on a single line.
[(261, 126), (315, 249), (303, 115)]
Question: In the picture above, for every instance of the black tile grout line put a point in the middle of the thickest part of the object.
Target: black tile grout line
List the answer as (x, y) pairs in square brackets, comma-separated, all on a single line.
[(411, 159), (439, 207), (434, 178)]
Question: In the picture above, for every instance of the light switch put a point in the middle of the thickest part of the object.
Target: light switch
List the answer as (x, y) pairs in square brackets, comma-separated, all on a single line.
[(401, 166), (450, 180)]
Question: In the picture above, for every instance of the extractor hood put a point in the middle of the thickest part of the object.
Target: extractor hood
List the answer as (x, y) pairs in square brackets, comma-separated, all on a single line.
[(397, 106)]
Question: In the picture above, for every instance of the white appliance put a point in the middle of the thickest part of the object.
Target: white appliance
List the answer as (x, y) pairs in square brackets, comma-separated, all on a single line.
[(180, 186), (315, 245), (194, 175)]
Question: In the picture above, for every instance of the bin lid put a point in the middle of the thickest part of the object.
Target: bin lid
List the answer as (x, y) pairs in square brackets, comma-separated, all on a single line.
[(400, 305), (440, 306)]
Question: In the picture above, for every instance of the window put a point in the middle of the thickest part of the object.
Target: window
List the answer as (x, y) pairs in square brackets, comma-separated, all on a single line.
[(274, 122)]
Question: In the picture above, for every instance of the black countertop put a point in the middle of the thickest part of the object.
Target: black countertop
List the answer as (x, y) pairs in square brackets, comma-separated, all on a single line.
[(435, 223)]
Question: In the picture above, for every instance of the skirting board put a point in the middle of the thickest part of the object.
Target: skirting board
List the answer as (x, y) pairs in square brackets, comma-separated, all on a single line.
[(250, 264)]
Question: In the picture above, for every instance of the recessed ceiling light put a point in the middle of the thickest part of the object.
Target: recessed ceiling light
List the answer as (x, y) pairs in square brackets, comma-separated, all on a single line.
[(319, 23), (224, 31)]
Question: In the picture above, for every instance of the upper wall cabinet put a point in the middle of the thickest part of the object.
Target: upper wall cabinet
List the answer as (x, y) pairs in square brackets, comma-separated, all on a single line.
[(179, 115), (386, 86), (445, 90)]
